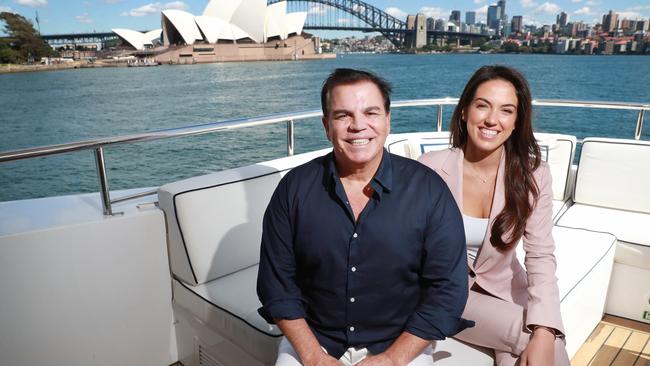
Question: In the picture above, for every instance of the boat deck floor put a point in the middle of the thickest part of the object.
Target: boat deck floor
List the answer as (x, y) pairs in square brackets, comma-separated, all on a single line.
[(616, 341)]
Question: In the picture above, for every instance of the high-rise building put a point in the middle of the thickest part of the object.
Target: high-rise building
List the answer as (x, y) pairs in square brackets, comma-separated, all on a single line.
[(441, 24), (562, 19), (610, 21), (502, 6), (517, 24), (493, 16), (431, 23), (455, 17), (470, 17)]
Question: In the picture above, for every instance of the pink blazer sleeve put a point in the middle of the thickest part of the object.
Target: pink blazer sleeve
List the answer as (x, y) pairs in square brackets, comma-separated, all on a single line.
[(540, 263)]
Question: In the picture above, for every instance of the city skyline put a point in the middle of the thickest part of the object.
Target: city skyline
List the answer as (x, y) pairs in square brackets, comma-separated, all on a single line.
[(70, 16)]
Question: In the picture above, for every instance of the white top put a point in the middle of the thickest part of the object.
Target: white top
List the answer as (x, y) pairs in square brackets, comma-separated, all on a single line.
[(475, 230)]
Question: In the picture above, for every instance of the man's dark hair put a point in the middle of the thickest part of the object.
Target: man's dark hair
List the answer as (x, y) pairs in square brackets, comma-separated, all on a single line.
[(350, 76)]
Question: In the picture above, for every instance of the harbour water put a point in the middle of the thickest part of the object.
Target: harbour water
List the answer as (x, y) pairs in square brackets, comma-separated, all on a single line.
[(64, 106)]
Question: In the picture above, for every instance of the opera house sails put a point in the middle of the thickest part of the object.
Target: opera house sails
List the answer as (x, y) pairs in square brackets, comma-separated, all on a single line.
[(228, 30)]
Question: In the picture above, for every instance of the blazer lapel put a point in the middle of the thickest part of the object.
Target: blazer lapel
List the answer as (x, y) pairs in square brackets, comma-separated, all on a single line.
[(488, 252), (453, 169)]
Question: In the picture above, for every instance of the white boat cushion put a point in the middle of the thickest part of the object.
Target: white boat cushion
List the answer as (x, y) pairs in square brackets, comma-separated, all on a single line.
[(614, 173), (228, 305), (214, 222), (577, 251), (412, 145), (632, 227), (558, 152)]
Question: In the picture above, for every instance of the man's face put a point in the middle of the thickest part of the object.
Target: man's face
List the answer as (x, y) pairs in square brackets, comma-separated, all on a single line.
[(357, 124)]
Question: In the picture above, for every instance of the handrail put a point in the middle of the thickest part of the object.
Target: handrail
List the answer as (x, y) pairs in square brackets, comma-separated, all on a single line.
[(98, 145)]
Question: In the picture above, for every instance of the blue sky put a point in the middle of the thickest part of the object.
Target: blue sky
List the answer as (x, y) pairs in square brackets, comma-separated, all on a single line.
[(71, 16)]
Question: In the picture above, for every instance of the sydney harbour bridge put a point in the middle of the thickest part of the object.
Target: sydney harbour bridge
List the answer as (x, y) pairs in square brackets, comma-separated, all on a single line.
[(335, 15)]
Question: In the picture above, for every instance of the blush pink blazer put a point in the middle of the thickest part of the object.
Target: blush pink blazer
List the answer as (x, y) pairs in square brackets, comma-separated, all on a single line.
[(500, 274)]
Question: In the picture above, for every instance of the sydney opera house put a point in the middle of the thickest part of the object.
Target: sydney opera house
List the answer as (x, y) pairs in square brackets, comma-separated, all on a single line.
[(228, 30)]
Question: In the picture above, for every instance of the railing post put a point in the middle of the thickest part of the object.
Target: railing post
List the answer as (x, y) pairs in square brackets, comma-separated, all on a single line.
[(639, 125), (290, 137), (439, 117), (103, 181)]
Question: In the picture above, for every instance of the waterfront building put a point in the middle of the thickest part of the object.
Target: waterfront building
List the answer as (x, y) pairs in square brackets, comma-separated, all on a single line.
[(493, 16), (441, 24), (455, 17), (610, 21), (431, 23), (562, 20), (517, 24), (470, 17)]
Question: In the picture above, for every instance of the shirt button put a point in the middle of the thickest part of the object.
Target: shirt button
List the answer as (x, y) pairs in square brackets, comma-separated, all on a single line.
[(352, 299), (353, 269), (355, 235), (351, 329)]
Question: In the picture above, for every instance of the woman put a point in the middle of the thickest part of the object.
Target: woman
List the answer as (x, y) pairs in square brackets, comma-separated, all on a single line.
[(503, 189)]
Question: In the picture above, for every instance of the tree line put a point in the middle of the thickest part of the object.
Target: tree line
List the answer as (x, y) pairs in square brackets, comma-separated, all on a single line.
[(22, 42)]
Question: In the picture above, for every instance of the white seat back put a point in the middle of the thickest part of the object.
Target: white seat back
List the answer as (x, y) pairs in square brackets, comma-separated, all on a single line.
[(557, 150), (614, 173), (214, 222)]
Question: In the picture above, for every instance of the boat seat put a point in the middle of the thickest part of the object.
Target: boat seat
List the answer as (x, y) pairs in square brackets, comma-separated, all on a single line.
[(558, 151), (611, 195)]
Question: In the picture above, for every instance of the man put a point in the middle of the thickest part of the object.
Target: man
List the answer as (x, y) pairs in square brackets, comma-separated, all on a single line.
[(363, 253)]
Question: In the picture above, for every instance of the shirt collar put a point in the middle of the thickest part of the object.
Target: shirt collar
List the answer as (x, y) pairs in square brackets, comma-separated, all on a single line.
[(383, 177)]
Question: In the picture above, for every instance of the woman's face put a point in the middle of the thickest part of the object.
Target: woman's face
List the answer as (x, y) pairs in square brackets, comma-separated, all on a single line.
[(491, 115)]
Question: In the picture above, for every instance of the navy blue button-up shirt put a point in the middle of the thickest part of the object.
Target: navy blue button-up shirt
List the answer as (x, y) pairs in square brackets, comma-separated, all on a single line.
[(402, 266)]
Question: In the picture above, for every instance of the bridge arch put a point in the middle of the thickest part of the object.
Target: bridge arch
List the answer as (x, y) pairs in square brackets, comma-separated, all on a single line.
[(376, 19)]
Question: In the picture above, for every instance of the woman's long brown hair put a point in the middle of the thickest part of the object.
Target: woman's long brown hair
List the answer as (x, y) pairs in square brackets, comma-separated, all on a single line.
[(522, 154)]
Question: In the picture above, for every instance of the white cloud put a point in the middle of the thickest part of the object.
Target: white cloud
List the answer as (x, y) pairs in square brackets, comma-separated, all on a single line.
[(5, 8), (358, 8), (576, 1), (317, 9), (528, 3), (482, 10), (430, 11), (585, 10), (343, 21), (178, 5), (548, 8), (396, 12), (629, 15), (32, 3), (84, 18), (639, 8), (477, 2), (592, 3), (527, 19), (154, 8)]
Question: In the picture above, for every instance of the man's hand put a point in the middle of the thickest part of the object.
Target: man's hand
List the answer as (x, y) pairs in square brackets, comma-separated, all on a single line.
[(540, 349), (379, 360)]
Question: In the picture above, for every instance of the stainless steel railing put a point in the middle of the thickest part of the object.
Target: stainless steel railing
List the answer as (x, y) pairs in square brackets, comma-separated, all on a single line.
[(98, 145)]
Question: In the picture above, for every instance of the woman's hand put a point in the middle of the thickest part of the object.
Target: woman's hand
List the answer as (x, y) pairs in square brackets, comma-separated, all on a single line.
[(540, 350)]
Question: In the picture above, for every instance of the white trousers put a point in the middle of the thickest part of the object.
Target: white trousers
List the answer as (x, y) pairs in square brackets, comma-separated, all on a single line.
[(287, 356)]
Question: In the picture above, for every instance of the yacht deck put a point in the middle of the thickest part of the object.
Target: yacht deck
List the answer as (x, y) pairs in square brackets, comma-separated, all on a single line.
[(616, 341)]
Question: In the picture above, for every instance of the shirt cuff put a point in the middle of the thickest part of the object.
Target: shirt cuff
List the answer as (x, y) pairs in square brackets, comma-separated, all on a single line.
[(283, 309), (436, 327)]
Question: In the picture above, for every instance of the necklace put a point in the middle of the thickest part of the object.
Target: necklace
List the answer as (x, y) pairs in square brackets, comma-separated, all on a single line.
[(475, 174)]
